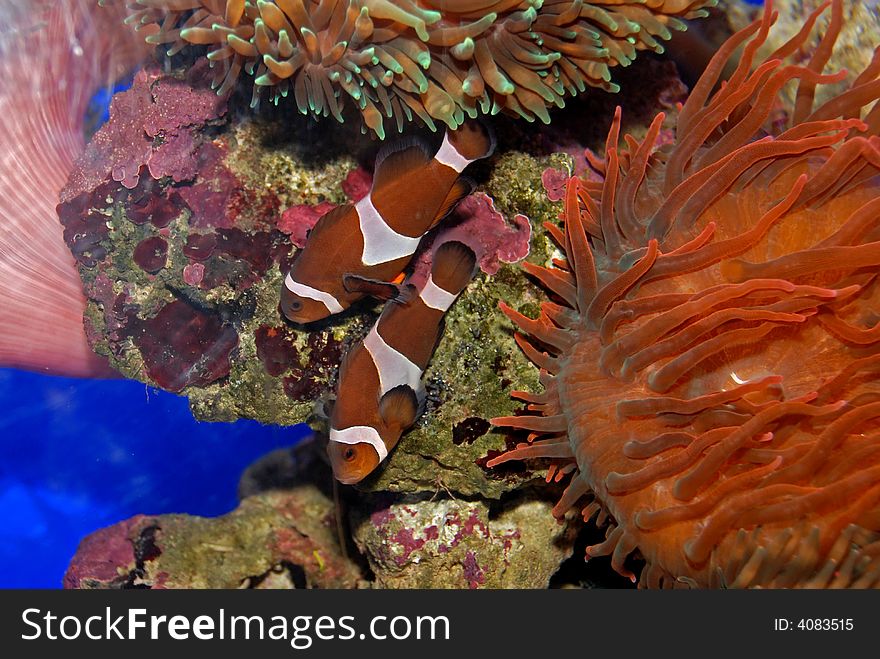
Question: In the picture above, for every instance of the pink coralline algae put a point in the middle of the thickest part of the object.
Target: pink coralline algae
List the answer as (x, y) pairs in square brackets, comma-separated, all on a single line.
[(274, 539), (298, 220), (106, 557), (478, 224), (554, 181), (193, 273), (150, 125), (357, 184), (214, 191), (458, 544), (473, 573)]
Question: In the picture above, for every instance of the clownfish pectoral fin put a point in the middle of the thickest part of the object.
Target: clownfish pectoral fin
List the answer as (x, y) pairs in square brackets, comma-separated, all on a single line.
[(399, 407), (462, 187), (399, 159), (382, 290)]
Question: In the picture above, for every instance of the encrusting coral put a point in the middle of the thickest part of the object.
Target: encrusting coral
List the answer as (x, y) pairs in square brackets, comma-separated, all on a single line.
[(710, 357), (438, 61)]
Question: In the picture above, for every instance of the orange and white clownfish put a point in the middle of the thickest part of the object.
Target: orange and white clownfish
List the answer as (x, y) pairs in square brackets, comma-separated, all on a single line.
[(380, 393), (358, 249)]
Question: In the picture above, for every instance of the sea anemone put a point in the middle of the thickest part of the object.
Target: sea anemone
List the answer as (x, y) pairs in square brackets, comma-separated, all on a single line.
[(710, 356), (436, 60), (53, 56)]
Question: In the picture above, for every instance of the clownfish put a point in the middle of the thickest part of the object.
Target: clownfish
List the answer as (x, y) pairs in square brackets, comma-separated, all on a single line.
[(358, 249), (380, 393)]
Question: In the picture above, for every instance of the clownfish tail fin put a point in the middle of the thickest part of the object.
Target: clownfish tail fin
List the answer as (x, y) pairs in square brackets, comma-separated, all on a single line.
[(473, 139), (397, 159), (399, 407), (453, 266)]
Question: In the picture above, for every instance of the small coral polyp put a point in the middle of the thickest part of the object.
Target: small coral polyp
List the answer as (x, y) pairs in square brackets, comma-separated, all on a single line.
[(435, 60), (711, 360)]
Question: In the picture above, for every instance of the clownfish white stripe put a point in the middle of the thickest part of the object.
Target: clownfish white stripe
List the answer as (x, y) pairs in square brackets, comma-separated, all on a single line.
[(448, 155), (302, 290), (360, 435), (435, 297), (394, 367), (381, 242)]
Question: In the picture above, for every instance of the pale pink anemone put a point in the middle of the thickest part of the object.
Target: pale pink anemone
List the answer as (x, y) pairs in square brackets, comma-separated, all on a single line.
[(53, 56)]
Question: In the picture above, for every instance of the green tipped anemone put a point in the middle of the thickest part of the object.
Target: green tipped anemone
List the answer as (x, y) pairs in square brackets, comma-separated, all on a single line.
[(435, 61)]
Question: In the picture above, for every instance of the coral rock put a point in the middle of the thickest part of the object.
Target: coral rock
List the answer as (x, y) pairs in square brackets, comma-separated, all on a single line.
[(457, 544), (275, 539), (149, 126)]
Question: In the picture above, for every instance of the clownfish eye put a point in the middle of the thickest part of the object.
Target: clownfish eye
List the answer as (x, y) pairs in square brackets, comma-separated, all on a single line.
[(348, 454), (295, 306)]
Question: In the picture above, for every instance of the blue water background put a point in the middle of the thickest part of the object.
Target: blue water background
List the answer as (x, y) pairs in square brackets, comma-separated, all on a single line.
[(77, 455)]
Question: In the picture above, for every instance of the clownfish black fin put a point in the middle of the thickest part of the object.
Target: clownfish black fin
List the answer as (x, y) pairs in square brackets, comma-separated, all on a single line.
[(399, 407), (398, 159), (453, 266), (462, 187), (382, 290)]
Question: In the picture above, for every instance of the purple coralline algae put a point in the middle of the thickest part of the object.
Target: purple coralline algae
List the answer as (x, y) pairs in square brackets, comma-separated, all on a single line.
[(151, 254)]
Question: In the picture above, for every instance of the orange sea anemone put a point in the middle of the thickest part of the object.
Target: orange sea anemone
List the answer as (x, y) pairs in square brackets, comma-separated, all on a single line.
[(711, 362), (437, 60)]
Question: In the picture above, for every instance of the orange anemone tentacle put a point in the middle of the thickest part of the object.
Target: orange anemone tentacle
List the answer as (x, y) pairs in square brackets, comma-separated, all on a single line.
[(713, 391)]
